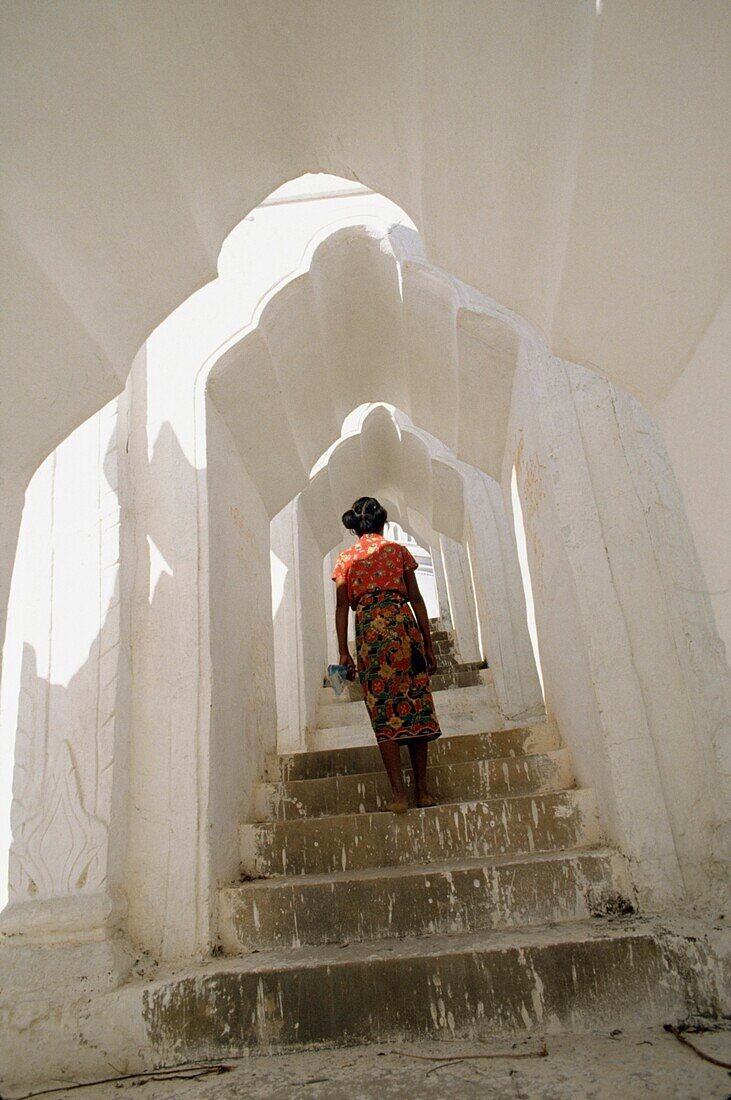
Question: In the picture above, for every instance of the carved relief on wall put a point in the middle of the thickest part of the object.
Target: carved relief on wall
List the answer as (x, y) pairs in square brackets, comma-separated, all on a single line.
[(59, 848), (66, 725)]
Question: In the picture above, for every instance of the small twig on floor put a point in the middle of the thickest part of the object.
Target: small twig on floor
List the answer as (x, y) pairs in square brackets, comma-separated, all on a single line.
[(441, 1065), (678, 1033), (542, 1052), (170, 1073), (454, 1062)]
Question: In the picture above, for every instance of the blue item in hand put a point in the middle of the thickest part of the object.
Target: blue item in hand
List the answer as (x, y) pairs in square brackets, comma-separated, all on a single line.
[(338, 677)]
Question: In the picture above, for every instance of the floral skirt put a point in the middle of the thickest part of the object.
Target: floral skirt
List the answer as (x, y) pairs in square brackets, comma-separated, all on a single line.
[(392, 669)]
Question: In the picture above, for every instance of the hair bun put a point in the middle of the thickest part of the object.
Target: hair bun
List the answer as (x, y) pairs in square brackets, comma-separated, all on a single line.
[(366, 517)]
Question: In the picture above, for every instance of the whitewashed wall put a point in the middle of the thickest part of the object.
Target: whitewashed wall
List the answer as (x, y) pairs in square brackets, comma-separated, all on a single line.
[(242, 645), (695, 419), (626, 635), (300, 643), (461, 594), (500, 601), (64, 694)]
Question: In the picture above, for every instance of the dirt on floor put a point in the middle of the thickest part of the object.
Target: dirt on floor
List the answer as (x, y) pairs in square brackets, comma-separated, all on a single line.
[(601, 1066)]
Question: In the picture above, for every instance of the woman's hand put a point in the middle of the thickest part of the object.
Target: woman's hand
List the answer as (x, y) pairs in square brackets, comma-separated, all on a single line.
[(347, 660), (431, 661)]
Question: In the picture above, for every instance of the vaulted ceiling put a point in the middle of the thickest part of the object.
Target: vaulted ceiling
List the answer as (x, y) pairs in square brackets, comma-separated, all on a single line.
[(568, 159)]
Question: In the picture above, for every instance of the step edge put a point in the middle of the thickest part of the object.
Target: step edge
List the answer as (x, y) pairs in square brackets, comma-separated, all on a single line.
[(406, 871), (500, 940), (532, 727), (547, 753), (579, 792)]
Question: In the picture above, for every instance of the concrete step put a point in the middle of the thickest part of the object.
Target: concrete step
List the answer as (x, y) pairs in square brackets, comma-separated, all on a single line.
[(584, 976), (448, 679), (460, 896), (479, 698), (446, 750), (360, 733), (449, 782), (466, 710), (458, 830)]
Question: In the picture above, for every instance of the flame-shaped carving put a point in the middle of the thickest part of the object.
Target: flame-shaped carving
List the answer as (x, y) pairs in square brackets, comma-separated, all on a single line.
[(61, 848)]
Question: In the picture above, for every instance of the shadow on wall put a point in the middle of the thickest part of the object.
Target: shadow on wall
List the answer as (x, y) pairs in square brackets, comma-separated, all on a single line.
[(203, 710), (521, 546), (62, 787), (114, 767), (60, 696)]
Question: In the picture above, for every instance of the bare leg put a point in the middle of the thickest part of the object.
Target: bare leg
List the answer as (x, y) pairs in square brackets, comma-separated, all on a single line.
[(418, 751), (391, 754)]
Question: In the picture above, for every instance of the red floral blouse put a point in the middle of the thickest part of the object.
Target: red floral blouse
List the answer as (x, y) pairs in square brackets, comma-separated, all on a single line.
[(372, 565)]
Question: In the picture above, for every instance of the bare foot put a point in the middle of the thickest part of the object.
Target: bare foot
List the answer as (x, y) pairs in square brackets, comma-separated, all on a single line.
[(423, 800), (398, 806)]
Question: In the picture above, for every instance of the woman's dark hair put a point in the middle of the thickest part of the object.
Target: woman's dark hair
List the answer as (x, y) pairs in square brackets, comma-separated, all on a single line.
[(366, 517)]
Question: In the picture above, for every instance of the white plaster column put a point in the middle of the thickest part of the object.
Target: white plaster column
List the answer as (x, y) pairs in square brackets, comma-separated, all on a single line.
[(203, 695), (241, 642), (287, 616), (64, 702), (695, 420), (445, 615), (693, 640), (169, 874), (333, 654), (329, 605), (461, 599), (630, 657), (299, 626), (500, 600), (12, 495), (314, 629)]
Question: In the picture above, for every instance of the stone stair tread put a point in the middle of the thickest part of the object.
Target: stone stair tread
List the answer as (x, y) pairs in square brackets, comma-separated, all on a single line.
[(596, 929), (359, 733), (369, 791), (330, 820), (354, 776), (445, 896), (416, 870), (583, 974), (515, 823), (346, 754)]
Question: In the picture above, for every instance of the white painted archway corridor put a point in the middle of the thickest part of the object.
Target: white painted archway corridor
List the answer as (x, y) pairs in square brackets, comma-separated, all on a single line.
[(212, 438)]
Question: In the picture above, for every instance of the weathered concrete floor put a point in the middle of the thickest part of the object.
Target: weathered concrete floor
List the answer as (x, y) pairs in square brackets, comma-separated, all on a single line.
[(633, 1064)]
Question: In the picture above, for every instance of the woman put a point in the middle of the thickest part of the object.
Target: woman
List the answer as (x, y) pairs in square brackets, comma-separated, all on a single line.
[(395, 657)]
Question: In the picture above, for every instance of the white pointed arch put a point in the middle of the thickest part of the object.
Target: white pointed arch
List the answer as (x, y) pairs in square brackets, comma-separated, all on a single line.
[(367, 314)]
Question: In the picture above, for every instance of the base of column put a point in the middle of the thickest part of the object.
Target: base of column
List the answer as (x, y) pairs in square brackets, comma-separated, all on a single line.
[(56, 957), (63, 947)]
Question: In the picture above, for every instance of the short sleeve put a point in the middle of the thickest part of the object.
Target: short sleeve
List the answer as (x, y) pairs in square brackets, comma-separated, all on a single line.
[(410, 561), (340, 571)]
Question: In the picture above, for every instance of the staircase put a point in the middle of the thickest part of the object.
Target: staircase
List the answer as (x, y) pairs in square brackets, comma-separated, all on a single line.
[(464, 697), (499, 911)]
